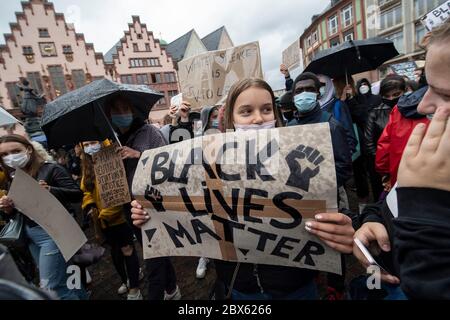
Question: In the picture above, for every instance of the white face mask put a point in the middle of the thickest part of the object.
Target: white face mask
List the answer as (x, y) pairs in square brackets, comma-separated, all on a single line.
[(364, 89), (17, 160), (246, 127), (92, 149)]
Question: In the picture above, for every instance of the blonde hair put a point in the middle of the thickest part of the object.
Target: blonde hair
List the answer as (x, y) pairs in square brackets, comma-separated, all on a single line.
[(40, 150)]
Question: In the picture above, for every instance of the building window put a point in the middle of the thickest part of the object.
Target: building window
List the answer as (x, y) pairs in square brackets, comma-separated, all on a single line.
[(420, 33), (156, 78), (348, 36), (397, 38), (170, 77), (391, 17), (347, 16), (58, 80), (127, 79), (48, 49), (147, 47), (172, 93), (142, 78), (34, 78), (27, 50), (67, 49), (153, 62), (139, 36), (422, 7), (14, 94), (162, 101), (314, 38), (332, 25), (335, 42), (43, 33), (79, 78), (135, 47), (308, 42), (144, 62)]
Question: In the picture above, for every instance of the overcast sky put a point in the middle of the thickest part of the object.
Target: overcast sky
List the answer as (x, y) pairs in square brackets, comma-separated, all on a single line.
[(274, 23)]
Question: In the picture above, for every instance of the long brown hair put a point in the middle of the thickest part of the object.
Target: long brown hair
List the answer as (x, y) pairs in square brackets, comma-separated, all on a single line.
[(35, 162), (240, 87), (87, 169)]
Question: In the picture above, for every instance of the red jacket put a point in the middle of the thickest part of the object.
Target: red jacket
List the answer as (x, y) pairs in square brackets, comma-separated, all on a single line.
[(393, 141)]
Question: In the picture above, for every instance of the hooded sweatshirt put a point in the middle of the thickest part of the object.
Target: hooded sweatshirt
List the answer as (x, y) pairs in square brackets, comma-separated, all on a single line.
[(402, 120), (205, 117)]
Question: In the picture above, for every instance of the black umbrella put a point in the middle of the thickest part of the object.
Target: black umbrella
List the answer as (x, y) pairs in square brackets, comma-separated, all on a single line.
[(80, 116), (353, 57)]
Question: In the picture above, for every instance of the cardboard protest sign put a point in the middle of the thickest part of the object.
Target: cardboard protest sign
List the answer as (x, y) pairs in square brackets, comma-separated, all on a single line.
[(206, 78), (291, 56), (241, 196), (111, 177), (405, 69), (437, 16), (41, 206)]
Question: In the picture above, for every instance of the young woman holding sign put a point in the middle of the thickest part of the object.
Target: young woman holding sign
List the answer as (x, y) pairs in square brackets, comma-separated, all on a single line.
[(251, 106), (16, 152), (118, 234)]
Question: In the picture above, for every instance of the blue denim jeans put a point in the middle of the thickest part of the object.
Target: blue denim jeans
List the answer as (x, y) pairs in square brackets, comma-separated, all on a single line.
[(307, 292), (52, 266)]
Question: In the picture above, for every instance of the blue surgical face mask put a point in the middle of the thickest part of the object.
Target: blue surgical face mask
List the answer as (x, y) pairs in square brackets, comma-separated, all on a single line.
[(215, 124), (122, 120), (305, 101), (322, 91), (92, 149)]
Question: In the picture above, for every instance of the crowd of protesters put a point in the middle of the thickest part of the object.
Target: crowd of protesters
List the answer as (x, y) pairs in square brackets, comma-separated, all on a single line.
[(397, 139)]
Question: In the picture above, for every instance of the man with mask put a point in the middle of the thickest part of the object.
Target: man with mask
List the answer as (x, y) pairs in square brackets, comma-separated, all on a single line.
[(305, 98), (391, 89)]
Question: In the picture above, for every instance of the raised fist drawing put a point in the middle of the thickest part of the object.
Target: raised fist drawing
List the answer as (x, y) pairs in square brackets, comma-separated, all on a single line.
[(155, 197), (301, 177)]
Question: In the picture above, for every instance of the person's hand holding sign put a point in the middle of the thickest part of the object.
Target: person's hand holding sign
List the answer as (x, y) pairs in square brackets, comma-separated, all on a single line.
[(138, 215), (335, 229), (284, 70), (426, 159), (184, 111), (44, 184), (6, 205), (128, 153)]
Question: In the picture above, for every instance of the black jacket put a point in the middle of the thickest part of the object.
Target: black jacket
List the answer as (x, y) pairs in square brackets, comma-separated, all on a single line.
[(376, 122), (422, 243), (342, 157), (140, 137)]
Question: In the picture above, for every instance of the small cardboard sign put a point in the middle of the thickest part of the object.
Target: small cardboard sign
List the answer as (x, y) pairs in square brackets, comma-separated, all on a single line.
[(111, 177)]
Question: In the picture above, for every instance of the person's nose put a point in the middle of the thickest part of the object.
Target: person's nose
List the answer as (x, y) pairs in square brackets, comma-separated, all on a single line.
[(257, 118)]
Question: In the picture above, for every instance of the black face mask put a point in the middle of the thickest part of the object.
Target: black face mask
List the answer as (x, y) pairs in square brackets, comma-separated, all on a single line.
[(391, 103), (288, 115)]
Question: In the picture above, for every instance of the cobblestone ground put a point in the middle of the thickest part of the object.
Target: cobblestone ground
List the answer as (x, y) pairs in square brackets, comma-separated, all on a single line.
[(106, 282)]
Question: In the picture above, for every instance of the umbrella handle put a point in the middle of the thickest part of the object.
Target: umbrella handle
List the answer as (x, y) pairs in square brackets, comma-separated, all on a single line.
[(109, 124)]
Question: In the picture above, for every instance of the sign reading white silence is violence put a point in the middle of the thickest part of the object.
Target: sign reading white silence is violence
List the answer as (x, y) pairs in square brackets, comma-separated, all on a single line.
[(207, 78), (241, 196)]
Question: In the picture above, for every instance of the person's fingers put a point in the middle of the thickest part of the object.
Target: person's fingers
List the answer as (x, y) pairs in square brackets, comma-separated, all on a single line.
[(382, 237), (444, 145), (333, 228), (389, 278), (413, 146), (337, 218), (360, 256), (435, 131), (136, 204), (339, 247), (340, 239)]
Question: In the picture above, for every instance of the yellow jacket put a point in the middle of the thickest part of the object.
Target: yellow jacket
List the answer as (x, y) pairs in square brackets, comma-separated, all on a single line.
[(108, 216)]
